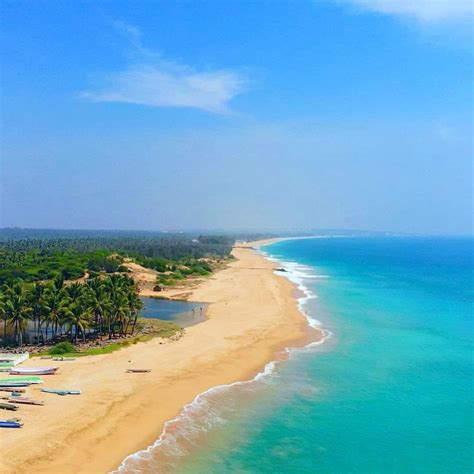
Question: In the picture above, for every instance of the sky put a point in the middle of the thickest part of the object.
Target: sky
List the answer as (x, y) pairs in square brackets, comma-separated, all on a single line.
[(256, 115)]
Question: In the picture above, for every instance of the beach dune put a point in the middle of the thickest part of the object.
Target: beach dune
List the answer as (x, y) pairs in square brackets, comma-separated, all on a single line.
[(252, 316)]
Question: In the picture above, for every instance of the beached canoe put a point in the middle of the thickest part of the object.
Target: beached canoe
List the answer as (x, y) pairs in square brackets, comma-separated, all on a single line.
[(33, 370), (12, 390), (13, 385), (138, 371), (21, 379), (8, 406), (25, 401), (61, 392), (10, 424)]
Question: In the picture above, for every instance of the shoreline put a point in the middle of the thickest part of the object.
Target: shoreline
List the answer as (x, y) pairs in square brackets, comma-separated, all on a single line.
[(111, 421)]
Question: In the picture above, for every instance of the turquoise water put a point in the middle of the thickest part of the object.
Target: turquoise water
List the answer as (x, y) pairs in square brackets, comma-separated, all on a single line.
[(390, 391)]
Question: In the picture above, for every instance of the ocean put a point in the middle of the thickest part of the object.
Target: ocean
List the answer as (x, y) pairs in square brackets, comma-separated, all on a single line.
[(389, 390)]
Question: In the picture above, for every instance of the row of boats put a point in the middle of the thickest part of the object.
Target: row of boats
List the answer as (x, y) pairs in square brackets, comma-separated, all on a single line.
[(21, 377), (14, 386)]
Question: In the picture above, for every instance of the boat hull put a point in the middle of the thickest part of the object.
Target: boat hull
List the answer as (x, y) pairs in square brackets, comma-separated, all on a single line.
[(10, 424), (33, 371)]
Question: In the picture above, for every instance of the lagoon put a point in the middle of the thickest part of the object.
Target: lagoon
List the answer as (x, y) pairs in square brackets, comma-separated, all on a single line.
[(183, 313)]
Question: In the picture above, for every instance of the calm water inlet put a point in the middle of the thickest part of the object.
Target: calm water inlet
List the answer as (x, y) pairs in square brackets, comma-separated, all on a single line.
[(183, 313)]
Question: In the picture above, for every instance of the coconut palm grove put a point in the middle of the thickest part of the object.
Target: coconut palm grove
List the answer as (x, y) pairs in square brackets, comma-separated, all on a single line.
[(74, 286)]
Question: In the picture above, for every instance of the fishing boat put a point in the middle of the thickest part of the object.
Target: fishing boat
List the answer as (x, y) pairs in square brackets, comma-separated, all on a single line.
[(138, 371), (25, 401), (8, 406), (61, 392), (9, 385), (29, 379), (33, 370), (12, 390), (11, 423), (13, 359)]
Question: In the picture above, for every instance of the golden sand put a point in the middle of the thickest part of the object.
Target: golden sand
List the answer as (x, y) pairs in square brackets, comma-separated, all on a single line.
[(252, 315)]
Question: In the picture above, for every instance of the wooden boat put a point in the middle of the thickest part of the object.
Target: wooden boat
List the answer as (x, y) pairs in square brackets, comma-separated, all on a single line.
[(138, 371), (6, 385), (11, 423), (33, 370), (25, 401), (8, 406), (12, 389), (63, 359), (28, 379), (61, 392)]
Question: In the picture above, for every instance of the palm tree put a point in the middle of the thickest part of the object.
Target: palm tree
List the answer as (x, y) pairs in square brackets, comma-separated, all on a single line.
[(77, 316), (74, 291), (114, 286), (7, 289), (3, 314), (58, 283), (18, 312), (98, 302), (36, 298), (119, 311), (56, 302), (135, 305)]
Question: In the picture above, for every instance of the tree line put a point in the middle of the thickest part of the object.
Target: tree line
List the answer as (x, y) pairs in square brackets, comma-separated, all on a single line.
[(170, 248), (35, 259), (100, 307), (36, 265)]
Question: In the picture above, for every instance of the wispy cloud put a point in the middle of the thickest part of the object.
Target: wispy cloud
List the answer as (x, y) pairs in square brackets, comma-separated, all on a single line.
[(427, 11), (155, 82), (165, 86), (131, 32)]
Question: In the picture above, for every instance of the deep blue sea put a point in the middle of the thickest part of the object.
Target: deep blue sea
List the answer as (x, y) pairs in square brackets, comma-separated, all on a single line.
[(389, 391)]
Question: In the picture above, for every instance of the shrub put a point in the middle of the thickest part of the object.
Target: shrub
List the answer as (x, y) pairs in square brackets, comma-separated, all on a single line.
[(62, 348)]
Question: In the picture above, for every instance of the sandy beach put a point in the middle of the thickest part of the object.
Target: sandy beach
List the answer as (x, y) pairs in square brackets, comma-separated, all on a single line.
[(252, 316)]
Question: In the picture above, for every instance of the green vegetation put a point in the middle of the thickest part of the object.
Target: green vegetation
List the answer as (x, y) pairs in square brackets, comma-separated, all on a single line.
[(35, 266), (155, 328), (172, 271), (46, 257), (62, 348)]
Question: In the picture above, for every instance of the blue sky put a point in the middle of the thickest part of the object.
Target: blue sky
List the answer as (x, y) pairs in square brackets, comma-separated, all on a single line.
[(263, 115)]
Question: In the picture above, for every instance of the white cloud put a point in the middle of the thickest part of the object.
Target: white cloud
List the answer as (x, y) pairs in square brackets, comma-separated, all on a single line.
[(171, 86), (154, 82), (430, 11)]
